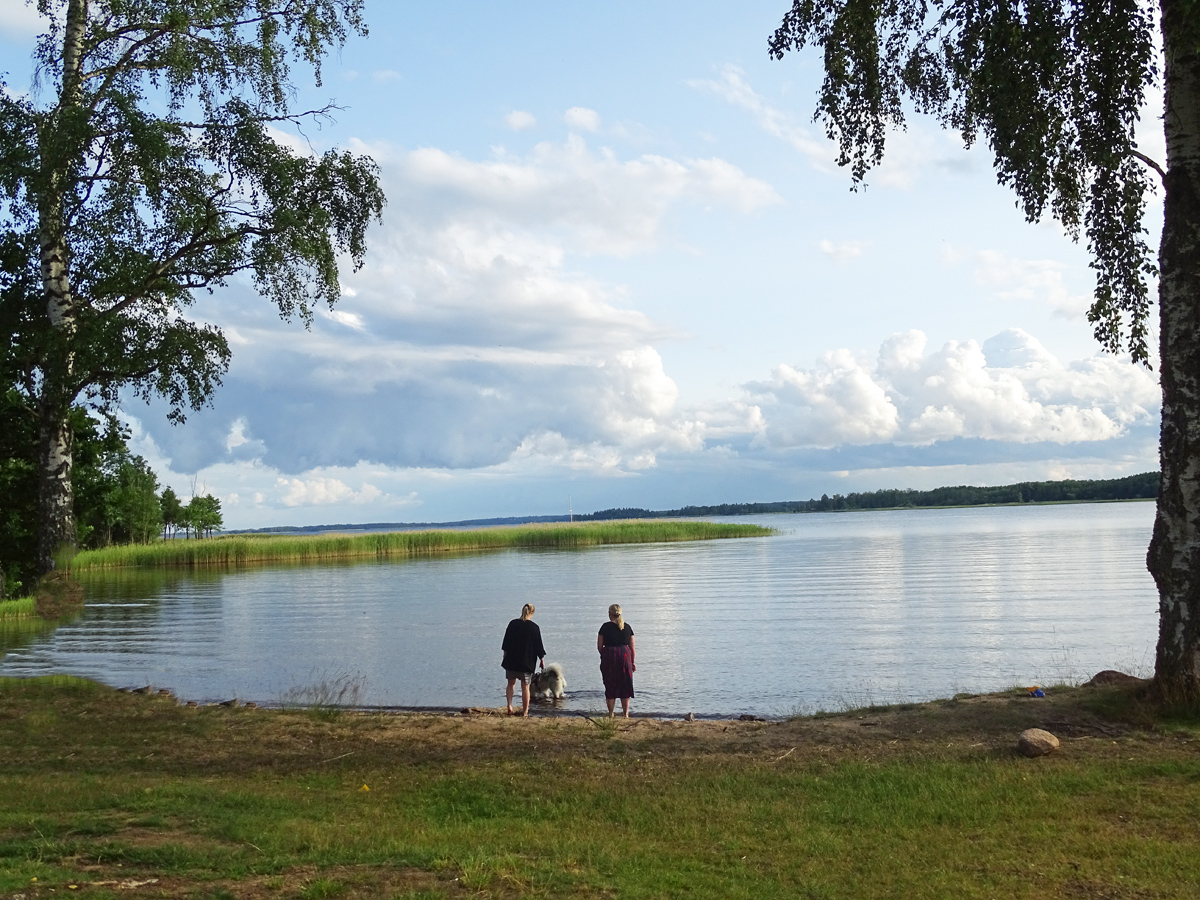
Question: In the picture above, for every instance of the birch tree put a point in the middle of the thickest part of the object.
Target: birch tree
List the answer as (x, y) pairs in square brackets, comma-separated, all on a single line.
[(1055, 87), (143, 169)]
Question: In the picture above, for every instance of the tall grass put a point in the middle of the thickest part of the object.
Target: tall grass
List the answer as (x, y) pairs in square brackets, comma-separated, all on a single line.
[(239, 550), (19, 622), (21, 608)]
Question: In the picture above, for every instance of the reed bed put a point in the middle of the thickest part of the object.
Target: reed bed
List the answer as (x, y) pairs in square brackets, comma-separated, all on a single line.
[(19, 621), (21, 608), (241, 550)]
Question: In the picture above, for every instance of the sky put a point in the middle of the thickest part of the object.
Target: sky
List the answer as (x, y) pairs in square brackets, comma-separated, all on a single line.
[(619, 266)]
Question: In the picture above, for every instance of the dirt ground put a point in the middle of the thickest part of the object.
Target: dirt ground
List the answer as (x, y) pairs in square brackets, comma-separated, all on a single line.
[(283, 741)]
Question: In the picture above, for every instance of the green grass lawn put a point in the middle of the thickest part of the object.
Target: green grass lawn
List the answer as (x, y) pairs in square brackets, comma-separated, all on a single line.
[(127, 795)]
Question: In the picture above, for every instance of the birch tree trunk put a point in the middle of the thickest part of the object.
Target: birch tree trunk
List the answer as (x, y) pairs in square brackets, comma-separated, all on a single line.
[(56, 496), (1174, 557)]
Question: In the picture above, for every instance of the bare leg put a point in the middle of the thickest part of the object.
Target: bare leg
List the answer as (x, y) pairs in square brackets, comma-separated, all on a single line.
[(610, 701), (508, 694), (625, 706), (525, 698)]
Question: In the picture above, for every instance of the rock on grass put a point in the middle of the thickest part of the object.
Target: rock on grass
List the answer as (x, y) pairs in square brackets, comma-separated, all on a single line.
[(1036, 742)]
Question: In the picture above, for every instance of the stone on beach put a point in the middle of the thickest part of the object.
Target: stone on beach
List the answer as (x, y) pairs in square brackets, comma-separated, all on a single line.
[(1036, 742)]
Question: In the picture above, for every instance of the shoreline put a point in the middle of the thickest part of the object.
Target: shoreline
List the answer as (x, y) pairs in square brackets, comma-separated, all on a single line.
[(526, 521), (537, 710)]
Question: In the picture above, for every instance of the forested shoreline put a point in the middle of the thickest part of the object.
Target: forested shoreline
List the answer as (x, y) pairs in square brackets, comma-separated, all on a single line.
[(1132, 487), (117, 496)]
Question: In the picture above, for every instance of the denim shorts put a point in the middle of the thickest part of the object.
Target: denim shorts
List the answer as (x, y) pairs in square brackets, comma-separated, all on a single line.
[(522, 677)]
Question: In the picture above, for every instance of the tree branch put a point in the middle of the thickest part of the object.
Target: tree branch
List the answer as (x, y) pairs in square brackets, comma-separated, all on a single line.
[(196, 244), (117, 67), (295, 118), (1137, 154), (90, 181), (105, 377)]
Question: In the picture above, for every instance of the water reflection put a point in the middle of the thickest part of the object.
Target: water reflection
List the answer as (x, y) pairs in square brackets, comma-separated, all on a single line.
[(838, 609)]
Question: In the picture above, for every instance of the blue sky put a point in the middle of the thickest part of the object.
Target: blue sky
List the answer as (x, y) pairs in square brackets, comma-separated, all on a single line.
[(619, 265)]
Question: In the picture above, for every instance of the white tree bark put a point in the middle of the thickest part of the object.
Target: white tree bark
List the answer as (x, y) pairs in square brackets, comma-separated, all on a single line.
[(1174, 557), (56, 497)]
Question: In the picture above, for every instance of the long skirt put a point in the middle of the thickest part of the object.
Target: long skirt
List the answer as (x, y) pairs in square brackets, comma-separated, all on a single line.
[(616, 667)]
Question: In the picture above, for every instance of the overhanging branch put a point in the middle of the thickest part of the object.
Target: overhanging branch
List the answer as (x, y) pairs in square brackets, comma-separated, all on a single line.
[(1137, 154)]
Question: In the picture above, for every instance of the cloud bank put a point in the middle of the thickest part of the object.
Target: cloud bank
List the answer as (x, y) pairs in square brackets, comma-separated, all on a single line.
[(1009, 389), (475, 350), (469, 339)]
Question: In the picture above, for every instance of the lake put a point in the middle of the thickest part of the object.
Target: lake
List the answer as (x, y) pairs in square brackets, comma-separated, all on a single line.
[(839, 609)]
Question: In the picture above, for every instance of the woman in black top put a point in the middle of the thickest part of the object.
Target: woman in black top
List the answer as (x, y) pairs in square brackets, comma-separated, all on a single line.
[(615, 643), (522, 648)]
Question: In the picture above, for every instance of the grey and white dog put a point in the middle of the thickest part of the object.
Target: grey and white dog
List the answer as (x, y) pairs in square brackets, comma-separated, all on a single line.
[(548, 684)]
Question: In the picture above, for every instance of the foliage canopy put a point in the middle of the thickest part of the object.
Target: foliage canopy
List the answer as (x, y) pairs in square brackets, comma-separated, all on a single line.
[(1054, 88), (144, 166)]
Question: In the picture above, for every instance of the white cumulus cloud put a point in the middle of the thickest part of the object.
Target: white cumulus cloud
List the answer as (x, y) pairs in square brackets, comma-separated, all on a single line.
[(842, 252), (582, 118), (342, 317), (319, 491), (838, 402), (520, 120), (1009, 389), (601, 203)]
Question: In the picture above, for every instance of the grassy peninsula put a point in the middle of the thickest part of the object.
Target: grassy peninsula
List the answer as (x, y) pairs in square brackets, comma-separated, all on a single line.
[(106, 794), (240, 550)]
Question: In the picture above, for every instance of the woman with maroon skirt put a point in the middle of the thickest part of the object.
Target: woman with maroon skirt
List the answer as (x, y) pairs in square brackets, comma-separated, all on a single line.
[(615, 643)]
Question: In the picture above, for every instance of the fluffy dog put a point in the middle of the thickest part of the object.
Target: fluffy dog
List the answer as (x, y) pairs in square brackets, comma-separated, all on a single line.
[(548, 684)]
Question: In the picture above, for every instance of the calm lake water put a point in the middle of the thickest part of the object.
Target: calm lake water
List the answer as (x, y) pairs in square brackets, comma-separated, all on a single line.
[(836, 610)]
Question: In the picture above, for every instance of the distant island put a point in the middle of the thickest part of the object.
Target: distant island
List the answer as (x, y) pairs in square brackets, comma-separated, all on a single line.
[(1132, 487)]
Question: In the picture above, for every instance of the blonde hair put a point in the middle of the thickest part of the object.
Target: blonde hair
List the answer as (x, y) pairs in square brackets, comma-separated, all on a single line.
[(614, 615), (527, 611)]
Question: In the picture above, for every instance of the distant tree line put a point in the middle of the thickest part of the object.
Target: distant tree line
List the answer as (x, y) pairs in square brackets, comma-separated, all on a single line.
[(1132, 487), (117, 499)]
